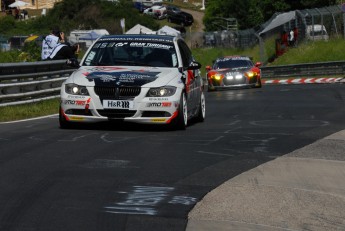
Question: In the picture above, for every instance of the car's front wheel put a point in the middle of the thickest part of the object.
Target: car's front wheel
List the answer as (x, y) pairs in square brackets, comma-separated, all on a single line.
[(258, 84), (210, 88), (202, 109), (180, 122)]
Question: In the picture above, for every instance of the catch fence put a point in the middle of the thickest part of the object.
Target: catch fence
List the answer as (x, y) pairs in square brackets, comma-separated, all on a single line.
[(306, 22)]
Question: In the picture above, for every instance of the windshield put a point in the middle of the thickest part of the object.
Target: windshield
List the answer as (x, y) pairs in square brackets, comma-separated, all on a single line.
[(136, 53), (233, 63)]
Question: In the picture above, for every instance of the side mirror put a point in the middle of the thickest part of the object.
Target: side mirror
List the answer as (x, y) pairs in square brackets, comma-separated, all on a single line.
[(194, 66), (208, 68), (73, 63)]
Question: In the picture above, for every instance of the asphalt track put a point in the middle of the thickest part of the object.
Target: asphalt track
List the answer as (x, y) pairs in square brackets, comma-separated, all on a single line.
[(302, 190), (261, 149)]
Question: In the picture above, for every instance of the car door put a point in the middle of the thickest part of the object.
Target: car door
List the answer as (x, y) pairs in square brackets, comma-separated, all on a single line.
[(192, 82)]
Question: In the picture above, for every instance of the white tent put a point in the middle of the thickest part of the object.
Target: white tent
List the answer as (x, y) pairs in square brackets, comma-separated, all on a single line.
[(18, 4), (140, 29), (279, 20), (167, 30)]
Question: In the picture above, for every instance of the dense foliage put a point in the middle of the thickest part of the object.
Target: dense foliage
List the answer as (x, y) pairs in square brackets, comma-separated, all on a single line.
[(251, 13), (70, 15), (80, 14)]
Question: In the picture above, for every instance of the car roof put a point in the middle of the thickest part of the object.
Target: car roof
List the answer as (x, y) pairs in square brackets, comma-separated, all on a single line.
[(139, 37), (235, 57)]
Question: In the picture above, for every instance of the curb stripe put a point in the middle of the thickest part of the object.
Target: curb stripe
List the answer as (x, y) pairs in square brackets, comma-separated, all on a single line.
[(303, 81)]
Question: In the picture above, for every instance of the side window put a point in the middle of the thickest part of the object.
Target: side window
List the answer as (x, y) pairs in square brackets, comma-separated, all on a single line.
[(186, 54)]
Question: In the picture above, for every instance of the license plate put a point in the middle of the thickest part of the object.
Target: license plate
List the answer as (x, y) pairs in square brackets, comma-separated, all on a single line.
[(118, 104)]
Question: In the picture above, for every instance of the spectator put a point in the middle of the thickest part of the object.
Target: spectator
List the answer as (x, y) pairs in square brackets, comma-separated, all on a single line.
[(16, 13), (291, 38), (284, 40), (64, 51), (51, 41), (25, 14), (295, 33)]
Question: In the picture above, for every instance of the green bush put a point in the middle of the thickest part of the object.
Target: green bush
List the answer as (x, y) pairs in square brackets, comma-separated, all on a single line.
[(9, 56), (7, 24)]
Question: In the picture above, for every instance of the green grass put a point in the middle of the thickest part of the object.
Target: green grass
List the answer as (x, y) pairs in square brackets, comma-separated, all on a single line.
[(309, 52), (206, 56), (18, 112)]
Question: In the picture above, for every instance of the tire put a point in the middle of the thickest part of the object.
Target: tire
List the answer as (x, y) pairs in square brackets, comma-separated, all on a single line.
[(181, 121), (258, 85), (210, 88), (202, 109)]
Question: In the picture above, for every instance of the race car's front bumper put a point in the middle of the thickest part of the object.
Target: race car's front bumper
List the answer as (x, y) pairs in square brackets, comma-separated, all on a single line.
[(146, 110)]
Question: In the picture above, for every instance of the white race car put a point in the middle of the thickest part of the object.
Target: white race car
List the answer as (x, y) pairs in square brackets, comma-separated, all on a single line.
[(149, 79)]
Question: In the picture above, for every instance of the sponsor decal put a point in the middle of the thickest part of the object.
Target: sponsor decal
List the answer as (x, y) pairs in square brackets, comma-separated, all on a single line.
[(139, 39), (126, 78), (160, 120), (101, 69), (75, 102), (76, 97), (157, 99), (118, 104), (190, 77), (232, 58), (154, 45), (107, 78), (159, 104), (75, 118)]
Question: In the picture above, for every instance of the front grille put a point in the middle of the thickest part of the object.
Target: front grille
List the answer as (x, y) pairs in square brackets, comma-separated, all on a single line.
[(116, 113), (234, 81), (117, 92)]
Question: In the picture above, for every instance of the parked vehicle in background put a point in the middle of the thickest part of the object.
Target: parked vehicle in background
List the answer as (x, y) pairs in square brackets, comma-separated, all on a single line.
[(177, 16), (142, 5), (233, 72), (157, 12), (148, 79), (316, 32)]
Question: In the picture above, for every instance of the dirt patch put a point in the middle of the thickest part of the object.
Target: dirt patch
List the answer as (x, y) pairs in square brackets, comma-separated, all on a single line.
[(198, 25)]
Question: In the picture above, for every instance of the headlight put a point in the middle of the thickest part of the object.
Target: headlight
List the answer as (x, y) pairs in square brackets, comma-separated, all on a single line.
[(234, 75), (251, 74), (75, 89), (217, 76), (161, 91)]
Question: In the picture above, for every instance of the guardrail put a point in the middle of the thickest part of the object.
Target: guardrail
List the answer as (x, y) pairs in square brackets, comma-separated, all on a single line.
[(304, 70), (29, 82)]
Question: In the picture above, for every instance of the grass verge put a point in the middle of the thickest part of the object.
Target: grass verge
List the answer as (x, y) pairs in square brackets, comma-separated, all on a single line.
[(26, 111)]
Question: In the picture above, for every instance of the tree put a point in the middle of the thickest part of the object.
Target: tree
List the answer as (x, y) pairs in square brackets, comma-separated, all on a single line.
[(318, 3), (251, 13)]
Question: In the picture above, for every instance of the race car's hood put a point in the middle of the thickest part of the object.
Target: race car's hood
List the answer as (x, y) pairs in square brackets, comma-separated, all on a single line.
[(124, 76)]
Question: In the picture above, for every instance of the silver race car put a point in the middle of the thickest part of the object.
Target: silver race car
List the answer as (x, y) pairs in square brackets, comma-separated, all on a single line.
[(149, 79)]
